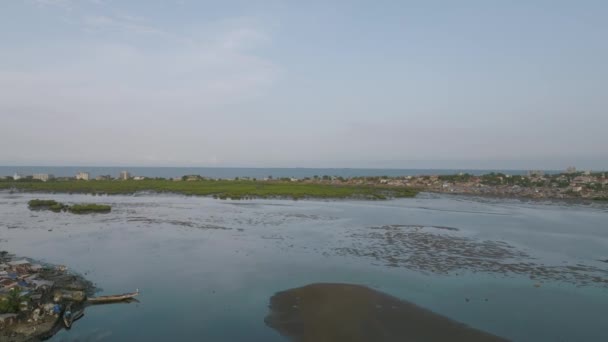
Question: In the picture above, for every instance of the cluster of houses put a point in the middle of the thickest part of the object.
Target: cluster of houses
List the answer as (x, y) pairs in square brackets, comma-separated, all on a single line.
[(534, 185), (24, 277), (85, 176)]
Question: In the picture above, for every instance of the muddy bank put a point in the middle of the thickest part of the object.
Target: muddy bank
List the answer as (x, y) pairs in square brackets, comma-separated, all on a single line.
[(344, 312)]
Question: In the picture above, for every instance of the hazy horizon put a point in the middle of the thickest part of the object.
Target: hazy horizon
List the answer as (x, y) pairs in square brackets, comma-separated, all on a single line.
[(396, 84)]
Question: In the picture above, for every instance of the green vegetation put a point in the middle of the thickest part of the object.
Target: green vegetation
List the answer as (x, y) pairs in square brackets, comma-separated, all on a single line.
[(89, 208), (42, 204), (241, 189), (86, 208), (10, 302), (463, 177), (37, 204)]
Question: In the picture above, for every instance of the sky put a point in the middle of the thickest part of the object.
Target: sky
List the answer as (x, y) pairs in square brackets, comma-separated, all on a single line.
[(378, 84)]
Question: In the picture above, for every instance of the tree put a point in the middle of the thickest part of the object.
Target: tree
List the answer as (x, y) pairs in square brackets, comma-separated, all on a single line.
[(11, 304)]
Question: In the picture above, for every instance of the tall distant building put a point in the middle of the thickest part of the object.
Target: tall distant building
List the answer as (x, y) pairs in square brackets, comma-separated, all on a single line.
[(124, 175), (571, 169), (82, 176)]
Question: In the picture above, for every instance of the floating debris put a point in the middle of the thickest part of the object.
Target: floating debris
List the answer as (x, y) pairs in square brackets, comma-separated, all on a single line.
[(438, 250)]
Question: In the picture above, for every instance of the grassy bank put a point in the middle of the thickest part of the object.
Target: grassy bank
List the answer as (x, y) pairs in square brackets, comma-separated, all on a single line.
[(218, 188)]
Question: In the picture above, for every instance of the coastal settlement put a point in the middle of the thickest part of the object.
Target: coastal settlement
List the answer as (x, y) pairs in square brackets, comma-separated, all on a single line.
[(569, 184), (33, 297)]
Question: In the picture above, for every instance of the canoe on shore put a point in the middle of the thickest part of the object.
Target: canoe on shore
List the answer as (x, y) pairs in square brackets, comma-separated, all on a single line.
[(113, 299), (70, 317)]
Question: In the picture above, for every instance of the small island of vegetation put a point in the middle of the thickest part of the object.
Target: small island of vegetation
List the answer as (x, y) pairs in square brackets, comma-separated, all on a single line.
[(84, 208)]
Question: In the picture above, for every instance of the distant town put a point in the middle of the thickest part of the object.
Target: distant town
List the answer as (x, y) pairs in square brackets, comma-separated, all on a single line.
[(569, 184)]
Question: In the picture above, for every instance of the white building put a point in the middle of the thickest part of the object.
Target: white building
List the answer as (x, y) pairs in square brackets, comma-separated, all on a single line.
[(17, 176), (42, 176), (124, 175), (82, 176)]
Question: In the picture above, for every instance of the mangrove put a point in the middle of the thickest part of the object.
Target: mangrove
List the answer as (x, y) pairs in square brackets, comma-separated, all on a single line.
[(83, 208), (222, 189)]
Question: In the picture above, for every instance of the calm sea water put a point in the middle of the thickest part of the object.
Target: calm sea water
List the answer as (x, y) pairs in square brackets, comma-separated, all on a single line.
[(227, 172), (206, 268)]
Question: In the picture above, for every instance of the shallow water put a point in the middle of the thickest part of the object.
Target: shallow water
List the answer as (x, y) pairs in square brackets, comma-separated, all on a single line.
[(207, 268)]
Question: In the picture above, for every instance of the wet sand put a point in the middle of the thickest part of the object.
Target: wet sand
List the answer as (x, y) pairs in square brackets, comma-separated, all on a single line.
[(343, 312), (443, 250)]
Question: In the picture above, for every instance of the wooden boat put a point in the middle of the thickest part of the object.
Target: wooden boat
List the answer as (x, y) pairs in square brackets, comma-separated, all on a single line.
[(113, 299), (70, 317)]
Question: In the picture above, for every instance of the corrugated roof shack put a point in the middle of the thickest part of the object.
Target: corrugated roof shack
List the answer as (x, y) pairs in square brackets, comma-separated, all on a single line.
[(20, 266)]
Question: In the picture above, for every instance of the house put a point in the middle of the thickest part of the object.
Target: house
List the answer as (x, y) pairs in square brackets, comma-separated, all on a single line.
[(36, 268), (8, 284), (82, 176), (44, 284), (582, 180), (42, 176), (138, 178), (17, 176), (20, 266)]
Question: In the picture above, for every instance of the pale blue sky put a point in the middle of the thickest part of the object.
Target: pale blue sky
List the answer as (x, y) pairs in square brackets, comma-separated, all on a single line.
[(408, 84)]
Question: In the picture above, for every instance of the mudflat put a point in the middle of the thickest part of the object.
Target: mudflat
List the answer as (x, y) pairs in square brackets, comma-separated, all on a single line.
[(344, 312)]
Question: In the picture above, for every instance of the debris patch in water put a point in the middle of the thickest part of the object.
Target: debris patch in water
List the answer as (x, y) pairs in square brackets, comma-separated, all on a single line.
[(446, 251)]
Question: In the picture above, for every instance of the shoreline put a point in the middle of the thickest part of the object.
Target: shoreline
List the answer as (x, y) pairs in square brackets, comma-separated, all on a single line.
[(489, 196)]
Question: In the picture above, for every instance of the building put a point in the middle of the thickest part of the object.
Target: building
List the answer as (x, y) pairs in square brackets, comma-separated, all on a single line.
[(20, 266), (124, 175), (17, 176), (138, 178), (82, 176), (536, 173), (42, 176), (571, 169)]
